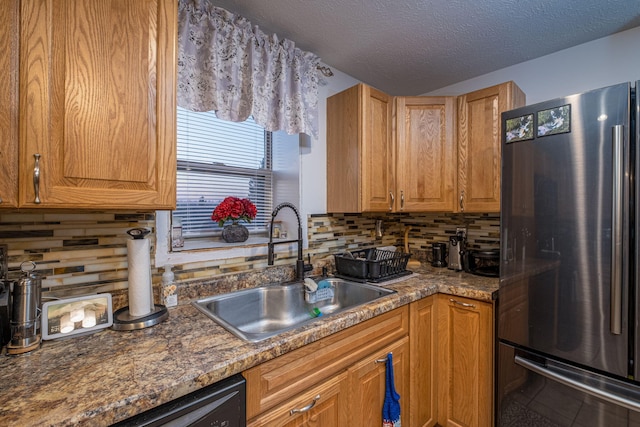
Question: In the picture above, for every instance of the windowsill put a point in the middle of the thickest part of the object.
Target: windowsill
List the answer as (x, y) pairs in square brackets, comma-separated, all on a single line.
[(210, 249), (213, 243)]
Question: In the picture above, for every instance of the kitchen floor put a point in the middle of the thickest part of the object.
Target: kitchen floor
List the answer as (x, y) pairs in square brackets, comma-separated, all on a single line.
[(542, 403)]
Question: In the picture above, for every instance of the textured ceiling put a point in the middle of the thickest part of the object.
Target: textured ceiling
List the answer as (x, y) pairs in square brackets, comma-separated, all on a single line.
[(410, 47)]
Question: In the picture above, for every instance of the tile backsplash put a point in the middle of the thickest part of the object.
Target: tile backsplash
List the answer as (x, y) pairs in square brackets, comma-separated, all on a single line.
[(83, 253)]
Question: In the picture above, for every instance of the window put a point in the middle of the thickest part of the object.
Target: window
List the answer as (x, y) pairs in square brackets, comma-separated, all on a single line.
[(216, 159)]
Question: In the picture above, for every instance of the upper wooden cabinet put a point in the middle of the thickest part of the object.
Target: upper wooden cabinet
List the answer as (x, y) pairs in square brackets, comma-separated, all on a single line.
[(425, 151), (9, 103), (479, 142), (96, 104), (372, 168), (360, 163)]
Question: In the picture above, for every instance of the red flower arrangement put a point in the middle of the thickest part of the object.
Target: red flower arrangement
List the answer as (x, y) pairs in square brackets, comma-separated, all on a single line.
[(234, 209)]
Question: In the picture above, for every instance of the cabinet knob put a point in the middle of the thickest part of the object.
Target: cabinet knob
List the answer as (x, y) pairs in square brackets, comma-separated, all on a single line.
[(462, 201), (393, 199), (305, 408), (401, 199)]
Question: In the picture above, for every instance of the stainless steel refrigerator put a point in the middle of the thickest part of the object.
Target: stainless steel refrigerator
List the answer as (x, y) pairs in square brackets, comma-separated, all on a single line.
[(567, 318)]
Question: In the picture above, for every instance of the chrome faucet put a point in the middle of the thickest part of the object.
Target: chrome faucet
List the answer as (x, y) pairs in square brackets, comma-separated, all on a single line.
[(301, 267)]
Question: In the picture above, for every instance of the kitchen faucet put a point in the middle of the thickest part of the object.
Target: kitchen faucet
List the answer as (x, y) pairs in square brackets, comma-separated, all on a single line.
[(300, 265)]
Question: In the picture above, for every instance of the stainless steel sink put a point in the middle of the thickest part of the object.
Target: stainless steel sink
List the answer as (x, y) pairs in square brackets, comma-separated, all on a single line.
[(260, 313)]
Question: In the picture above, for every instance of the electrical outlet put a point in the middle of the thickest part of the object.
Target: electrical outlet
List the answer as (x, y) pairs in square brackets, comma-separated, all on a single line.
[(462, 230)]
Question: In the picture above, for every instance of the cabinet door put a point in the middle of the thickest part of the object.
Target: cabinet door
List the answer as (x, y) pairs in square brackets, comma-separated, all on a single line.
[(479, 145), (97, 103), (377, 152), (324, 405), (422, 382), (343, 151), (425, 132), (367, 385), (9, 103), (465, 362), (359, 151)]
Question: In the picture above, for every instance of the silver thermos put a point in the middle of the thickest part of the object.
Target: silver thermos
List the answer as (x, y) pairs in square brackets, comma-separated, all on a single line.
[(25, 311)]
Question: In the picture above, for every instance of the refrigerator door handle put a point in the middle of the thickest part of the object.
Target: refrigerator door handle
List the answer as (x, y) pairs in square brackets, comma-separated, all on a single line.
[(616, 231), (608, 390)]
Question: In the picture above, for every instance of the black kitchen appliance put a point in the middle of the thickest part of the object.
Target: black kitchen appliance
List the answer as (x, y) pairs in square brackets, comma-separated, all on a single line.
[(439, 254), (484, 262), (220, 404)]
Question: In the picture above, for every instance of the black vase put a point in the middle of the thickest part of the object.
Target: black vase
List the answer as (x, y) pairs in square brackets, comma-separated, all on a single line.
[(235, 233)]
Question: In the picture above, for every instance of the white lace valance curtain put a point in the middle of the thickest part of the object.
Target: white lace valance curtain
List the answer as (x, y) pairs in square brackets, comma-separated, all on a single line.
[(227, 66)]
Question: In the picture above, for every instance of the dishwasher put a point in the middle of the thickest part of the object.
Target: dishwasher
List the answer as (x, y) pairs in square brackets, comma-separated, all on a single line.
[(219, 405)]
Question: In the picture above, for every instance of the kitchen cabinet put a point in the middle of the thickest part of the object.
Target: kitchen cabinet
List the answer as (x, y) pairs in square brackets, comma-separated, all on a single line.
[(367, 380), (323, 405), (96, 105), (378, 164), (423, 383), (345, 359), (9, 10), (360, 165), (479, 145), (425, 151), (465, 361)]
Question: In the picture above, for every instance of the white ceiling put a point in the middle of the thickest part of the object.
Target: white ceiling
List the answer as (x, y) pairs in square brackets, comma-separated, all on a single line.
[(410, 47)]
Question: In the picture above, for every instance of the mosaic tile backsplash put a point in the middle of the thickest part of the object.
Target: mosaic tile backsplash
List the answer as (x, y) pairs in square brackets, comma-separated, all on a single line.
[(84, 253)]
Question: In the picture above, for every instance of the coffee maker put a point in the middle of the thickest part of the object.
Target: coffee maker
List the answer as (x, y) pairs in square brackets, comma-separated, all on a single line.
[(457, 248), (439, 254)]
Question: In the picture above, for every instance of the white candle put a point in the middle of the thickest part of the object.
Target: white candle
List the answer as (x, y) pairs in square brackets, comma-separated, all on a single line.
[(66, 325), (76, 314), (89, 319)]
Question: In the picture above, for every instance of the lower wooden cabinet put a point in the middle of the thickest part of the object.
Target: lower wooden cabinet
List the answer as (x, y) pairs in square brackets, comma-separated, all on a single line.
[(367, 380), (422, 337), (292, 380), (322, 405), (465, 362), (442, 348)]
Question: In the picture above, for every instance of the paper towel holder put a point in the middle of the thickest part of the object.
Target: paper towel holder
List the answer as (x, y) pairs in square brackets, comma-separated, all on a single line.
[(123, 320)]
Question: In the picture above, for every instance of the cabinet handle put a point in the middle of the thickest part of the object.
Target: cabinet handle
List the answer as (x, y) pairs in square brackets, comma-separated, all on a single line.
[(401, 199), (383, 360), (462, 201), (393, 200), (36, 178), (305, 408), (463, 304)]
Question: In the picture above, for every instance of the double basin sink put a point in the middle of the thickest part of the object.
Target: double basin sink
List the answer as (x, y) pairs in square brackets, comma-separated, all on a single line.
[(260, 313)]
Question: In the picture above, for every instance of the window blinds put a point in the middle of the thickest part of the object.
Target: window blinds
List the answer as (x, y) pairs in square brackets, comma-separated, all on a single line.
[(216, 159)]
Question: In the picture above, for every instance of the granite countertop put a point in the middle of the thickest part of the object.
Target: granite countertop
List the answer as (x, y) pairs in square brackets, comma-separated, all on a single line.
[(109, 376)]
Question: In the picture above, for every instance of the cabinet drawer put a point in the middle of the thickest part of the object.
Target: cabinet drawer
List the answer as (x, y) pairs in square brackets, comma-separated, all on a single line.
[(323, 405), (288, 375)]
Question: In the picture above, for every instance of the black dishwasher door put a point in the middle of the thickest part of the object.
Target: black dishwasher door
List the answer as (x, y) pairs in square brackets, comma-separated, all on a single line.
[(219, 405)]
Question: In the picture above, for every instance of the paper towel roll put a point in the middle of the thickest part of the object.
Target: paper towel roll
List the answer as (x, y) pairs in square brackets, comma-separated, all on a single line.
[(140, 302)]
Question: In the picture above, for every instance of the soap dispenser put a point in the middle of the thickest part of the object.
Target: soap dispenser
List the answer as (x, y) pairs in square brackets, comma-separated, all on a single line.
[(169, 288)]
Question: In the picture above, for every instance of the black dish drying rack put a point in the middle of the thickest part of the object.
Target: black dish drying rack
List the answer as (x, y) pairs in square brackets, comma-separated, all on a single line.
[(372, 265)]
